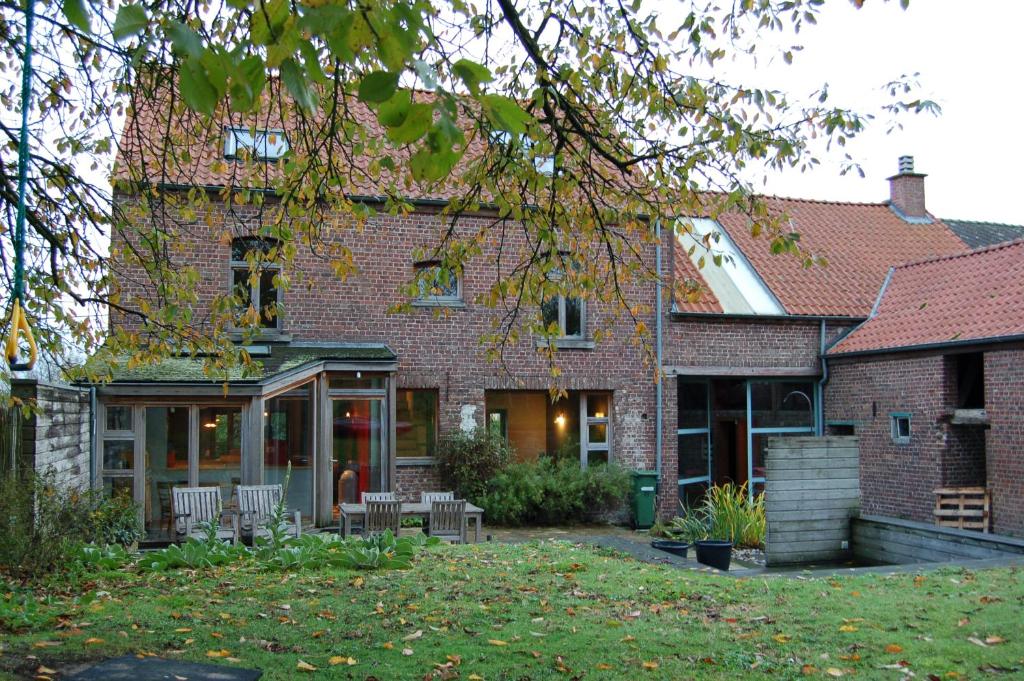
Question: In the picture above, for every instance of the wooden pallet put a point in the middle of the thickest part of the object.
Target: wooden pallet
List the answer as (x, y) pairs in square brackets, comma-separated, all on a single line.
[(967, 508)]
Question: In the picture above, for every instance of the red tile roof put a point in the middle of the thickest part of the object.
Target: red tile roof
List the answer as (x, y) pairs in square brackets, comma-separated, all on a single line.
[(974, 296), (701, 297), (860, 242)]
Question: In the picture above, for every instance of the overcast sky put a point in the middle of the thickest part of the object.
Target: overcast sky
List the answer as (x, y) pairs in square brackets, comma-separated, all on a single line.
[(969, 55)]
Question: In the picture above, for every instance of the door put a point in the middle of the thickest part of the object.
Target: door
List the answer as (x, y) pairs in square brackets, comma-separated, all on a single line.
[(357, 461)]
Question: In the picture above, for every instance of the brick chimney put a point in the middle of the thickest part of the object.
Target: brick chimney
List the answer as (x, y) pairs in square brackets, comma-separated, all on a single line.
[(906, 191)]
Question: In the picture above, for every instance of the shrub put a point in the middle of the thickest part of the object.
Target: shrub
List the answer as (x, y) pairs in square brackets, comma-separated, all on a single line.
[(467, 461), (42, 523), (725, 513), (549, 492)]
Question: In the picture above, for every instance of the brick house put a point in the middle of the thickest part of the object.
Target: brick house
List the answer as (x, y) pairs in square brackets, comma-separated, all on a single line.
[(933, 382), (354, 398)]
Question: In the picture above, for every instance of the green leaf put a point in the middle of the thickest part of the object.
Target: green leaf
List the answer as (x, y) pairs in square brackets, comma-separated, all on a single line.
[(184, 40), (247, 83), (505, 114), (378, 86), (196, 89), (432, 166), (393, 112), (415, 125), (75, 12), (311, 60), (296, 83), (131, 20), (472, 74)]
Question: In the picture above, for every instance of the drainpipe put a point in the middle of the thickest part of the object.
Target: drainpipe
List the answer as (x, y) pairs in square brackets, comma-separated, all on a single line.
[(657, 340), (92, 437), (821, 384)]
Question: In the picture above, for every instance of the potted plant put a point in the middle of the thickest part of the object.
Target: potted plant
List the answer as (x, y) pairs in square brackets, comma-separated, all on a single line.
[(723, 517)]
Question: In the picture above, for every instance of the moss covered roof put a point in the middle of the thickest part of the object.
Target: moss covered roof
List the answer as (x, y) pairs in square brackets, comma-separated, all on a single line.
[(282, 358)]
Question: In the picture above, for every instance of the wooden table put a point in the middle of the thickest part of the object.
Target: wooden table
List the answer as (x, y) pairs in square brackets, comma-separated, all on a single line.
[(475, 514)]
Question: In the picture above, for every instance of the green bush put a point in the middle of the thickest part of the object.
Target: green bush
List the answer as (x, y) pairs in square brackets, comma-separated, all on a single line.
[(550, 492), (42, 524), (467, 461), (725, 513)]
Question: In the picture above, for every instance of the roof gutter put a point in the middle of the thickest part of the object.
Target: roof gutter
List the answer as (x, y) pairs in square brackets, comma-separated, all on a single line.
[(678, 314), (940, 345)]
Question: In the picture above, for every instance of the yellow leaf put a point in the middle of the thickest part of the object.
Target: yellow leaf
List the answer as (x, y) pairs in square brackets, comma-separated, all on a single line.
[(847, 628), (832, 671), (497, 642), (357, 582), (603, 666), (93, 641), (781, 638), (475, 677), (994, 640), (182, 630), (650, 665), (217, 653), (45, 644), (305, 667), (893, 648), (388, 645)]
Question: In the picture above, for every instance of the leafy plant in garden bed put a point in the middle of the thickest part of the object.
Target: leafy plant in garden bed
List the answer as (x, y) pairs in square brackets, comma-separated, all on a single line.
[(726, 513), (468, 461), (550, 492)]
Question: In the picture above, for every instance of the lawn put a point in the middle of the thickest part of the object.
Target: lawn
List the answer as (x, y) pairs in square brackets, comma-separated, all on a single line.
[(534, 611)]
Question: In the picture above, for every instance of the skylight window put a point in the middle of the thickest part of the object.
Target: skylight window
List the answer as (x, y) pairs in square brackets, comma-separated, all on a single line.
[(266, 144)]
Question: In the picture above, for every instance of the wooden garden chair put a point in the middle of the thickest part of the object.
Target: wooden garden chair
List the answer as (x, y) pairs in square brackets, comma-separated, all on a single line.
[(256, 507), (194, 507), (377, 496), (431, 497), (381, 516), (448, 520)]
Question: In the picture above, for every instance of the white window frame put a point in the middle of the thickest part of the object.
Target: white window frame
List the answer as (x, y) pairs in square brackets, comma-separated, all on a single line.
[(266, 144), (894, 421), (254, 288), (426, 297), (586, 446)]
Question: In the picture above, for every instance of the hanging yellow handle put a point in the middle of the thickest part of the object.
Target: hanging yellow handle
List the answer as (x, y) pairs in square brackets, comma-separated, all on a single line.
[(20, 327)]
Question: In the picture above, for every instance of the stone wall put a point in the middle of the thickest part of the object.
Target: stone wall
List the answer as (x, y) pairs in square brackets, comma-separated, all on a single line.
[(1004, 446), (811, 491), (56, 437)]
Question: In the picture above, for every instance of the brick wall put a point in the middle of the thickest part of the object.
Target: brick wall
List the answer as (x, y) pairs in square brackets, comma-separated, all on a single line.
[(896, 479), (437, 348), (56, 438), (1004, 403)]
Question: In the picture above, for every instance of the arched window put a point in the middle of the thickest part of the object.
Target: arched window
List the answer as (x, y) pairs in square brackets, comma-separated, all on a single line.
[(256, 287)]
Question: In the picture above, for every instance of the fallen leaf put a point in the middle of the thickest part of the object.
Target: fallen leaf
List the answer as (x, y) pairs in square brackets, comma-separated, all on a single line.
[(341, 659), (650, 665), (475, 677), (182, 630), (497, 642), (45, 670), (603, 666), (46, 644), (414, 635), (388, 645), (808, 669), (93, 641), (994, 640), (847, 628), (977, 641), (893, 648), (781, 638), (407, 651), (305, 667), (217, 653), (832, 671)]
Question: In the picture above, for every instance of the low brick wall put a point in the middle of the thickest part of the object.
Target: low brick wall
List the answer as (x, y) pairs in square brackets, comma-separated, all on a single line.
[(896, 541), (56, 437), (812, 488)]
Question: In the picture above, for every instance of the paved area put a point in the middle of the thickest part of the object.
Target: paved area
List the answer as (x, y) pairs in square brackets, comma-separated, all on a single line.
[(132, 668)]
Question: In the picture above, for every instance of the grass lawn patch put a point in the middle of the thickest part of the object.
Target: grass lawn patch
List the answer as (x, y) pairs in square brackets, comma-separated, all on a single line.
[(531, 611)]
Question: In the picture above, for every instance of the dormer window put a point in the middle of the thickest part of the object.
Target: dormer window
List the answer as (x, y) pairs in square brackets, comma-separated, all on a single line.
[(266, 144), (437, 285), (256, 289)]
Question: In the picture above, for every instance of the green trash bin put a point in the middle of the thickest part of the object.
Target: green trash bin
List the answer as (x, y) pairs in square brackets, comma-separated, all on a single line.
[(644, 486)]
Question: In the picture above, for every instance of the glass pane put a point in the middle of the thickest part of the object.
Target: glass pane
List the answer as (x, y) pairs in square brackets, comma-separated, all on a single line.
[(597, 406), (573, 317), (353, 383), (693, 456), (118, 455), (416, 426), (242, 246), (357, 448), (435, 282), (166, 463), (563, 423), (268, 299), (691, 496), (220, 449), (118, 486), (549, 311), (497, 422), (288, 430), (242, 289), (693, 404), (597, 433), (119, 417), (597, 456), (782, 404)]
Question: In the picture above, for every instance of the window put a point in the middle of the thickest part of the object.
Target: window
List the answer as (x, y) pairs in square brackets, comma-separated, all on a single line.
[(567, 313), (901, 429), (416, 423), (437, 285), (596, 442), (262, 144), (497, 422), (256, 288)]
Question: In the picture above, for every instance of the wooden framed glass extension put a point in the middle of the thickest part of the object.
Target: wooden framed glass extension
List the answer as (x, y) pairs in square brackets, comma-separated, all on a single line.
[(330, 434)]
